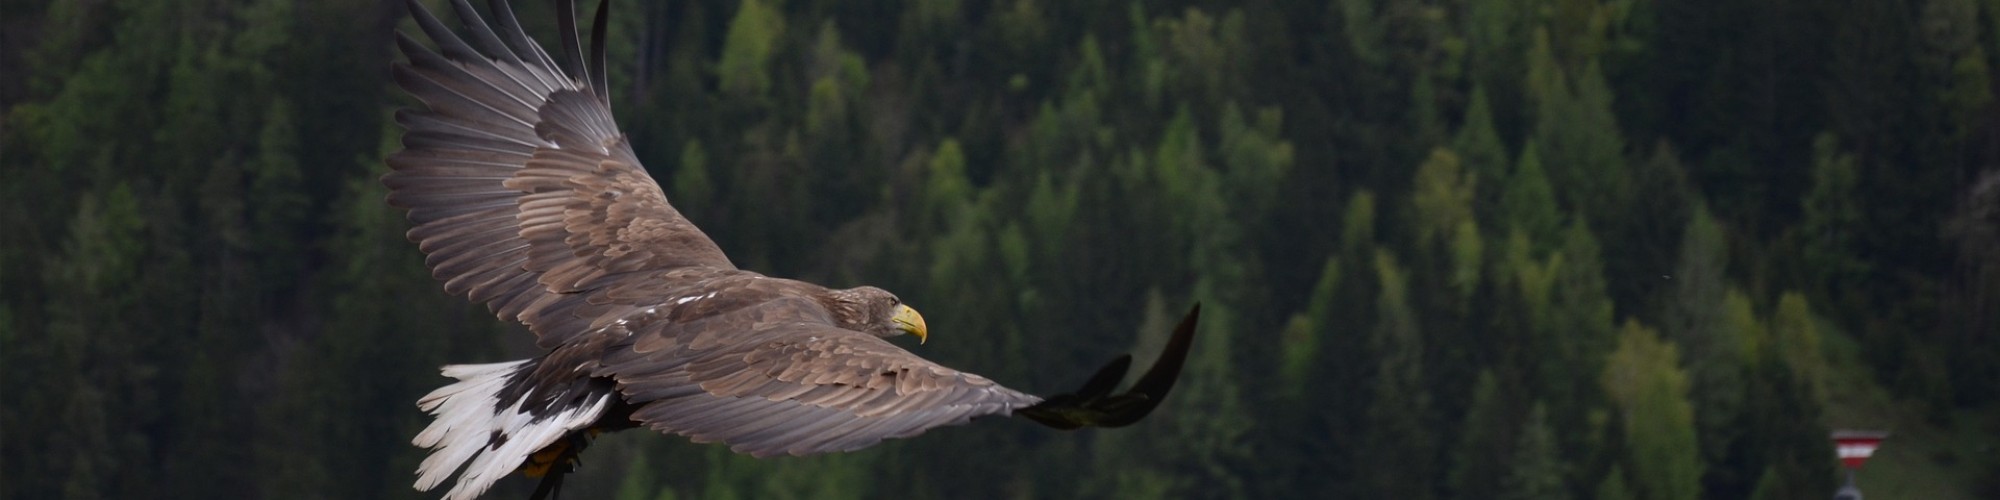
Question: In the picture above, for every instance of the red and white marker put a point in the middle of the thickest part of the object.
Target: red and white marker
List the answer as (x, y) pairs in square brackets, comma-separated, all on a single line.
[(1854, 447)]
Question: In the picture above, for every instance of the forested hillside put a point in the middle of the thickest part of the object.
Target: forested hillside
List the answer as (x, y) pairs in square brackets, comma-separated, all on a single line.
[(1445, 248)]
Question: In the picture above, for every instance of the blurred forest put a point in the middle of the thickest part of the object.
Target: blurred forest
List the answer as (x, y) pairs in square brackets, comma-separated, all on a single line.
[(1447, 248)]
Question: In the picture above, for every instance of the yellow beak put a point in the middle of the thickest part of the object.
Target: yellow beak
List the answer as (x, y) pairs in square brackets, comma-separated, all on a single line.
[(910, 322)]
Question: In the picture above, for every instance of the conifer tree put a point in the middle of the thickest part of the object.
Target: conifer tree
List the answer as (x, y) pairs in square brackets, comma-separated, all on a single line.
[(1537, 469), (1480, 462), (1646, 384), (1398, 445)]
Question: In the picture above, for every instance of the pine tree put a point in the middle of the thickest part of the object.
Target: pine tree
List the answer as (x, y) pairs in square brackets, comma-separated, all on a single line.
[(1832, 216), (1302, 356), (1537, 470), (1575, 332), (1255, 159), (1703, 321), (1447, 233), (98, 387), (754, 35), (1646, 384), (1796, 340), (1481, 461), (1577, 134), (1395, 457), (1528, 203), (1478, 141)]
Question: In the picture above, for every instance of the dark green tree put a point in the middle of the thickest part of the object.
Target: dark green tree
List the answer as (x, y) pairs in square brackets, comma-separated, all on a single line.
[(1712, 322), (1398, 445), (100, 365), (1646, 384), (753, 40), (1481, 461), (1537, 470), (1831, 218), (1478, 141), (1528, 203)]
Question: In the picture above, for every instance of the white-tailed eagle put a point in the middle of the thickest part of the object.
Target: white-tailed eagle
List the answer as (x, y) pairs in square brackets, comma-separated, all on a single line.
[(525, 197)]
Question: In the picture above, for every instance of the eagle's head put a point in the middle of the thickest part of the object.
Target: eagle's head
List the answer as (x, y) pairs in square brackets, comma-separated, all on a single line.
[(876, 312)]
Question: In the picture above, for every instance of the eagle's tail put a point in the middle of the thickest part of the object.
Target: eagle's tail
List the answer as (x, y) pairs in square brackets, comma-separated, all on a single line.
[(491, 436)]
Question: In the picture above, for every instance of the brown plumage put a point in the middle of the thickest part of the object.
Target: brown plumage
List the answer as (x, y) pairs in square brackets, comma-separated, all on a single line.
[(525, 196)]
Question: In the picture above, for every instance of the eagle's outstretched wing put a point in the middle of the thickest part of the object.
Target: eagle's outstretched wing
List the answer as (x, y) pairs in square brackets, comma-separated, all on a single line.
[(523, 192), (771, 379)]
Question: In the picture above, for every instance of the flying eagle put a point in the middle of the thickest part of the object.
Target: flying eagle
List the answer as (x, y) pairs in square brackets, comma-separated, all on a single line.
[(525, 197)]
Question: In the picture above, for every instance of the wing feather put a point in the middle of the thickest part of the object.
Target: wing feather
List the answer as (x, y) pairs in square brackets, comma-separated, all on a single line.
[(524, 194), (449, 95), (449, 42), (525, 49), (792, 387), (489, 42)]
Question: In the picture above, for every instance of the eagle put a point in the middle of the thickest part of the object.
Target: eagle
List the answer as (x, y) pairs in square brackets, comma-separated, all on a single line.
[(524, 196)]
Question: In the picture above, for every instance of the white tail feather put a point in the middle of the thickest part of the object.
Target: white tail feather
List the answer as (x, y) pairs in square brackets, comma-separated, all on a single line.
[(467, 416)]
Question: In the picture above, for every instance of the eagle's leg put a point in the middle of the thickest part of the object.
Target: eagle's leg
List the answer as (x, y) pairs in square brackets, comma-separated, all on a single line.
[(552, 463)]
